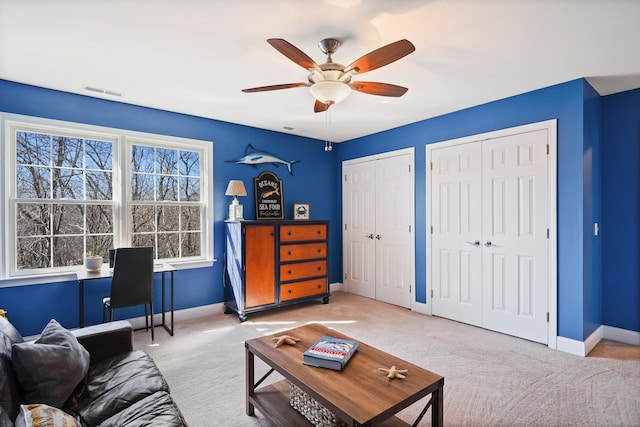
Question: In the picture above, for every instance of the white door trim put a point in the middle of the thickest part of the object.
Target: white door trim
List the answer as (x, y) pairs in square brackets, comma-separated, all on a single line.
[(551, 127), (406, 151)]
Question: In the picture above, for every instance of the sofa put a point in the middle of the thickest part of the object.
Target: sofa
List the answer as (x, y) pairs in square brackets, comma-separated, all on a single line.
[(86, 377)]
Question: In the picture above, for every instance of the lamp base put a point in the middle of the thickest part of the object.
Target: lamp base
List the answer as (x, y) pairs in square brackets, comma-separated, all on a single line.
[(235, 211)]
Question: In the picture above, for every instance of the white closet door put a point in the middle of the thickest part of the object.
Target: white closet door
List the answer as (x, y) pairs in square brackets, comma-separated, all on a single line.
[(489, 244), (456, 186), (378, 214), (394, 213), (359, 207), (515, 238)]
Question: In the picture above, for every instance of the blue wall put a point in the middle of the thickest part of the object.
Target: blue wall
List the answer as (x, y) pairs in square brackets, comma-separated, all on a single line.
[(598, 158), (621, 210), (31, 307)]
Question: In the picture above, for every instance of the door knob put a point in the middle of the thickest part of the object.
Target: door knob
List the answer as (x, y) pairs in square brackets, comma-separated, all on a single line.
[(488, 243), (370, 236), (474, 243)]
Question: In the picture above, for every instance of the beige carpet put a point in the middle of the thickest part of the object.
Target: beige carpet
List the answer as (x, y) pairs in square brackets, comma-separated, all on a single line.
[(490, 379)]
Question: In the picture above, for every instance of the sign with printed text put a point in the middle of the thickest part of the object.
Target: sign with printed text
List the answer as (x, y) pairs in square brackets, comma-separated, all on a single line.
[(268, 193)]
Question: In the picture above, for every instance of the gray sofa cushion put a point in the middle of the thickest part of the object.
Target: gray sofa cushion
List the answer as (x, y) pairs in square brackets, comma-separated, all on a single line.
[(156, 410), (49, 369), (115, 384)]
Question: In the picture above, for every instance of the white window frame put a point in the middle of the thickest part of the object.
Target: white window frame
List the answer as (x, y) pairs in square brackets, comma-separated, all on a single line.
[(121, 174)]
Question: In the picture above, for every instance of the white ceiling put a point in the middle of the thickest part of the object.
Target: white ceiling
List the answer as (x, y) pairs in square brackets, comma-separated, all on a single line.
[(195, 56)]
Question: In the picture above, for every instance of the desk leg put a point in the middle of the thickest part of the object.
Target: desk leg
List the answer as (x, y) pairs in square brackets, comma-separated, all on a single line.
[(437, 409), (81, 299), (164, 323), (171, 333), (249, 369)]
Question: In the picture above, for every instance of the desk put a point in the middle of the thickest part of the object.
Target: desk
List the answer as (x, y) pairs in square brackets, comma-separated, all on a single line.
[(360, 395), (105, 272)]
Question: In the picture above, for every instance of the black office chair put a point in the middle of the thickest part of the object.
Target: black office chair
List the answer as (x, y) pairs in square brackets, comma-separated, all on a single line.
[(132, 283)]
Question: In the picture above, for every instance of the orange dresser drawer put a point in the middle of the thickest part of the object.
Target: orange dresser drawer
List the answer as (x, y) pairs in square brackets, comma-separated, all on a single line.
[(305, 251), (303, 289), (298, 233), (302, 270)]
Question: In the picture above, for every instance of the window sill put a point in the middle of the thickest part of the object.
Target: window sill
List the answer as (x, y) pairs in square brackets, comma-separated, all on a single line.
[(70, 276)]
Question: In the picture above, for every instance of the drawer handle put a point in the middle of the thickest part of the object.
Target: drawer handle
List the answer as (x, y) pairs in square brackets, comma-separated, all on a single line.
[(319, 232), (289, 233), (289, 291), (319, 250), (289, 272), (319, 268), (319, 286), (289, 253)]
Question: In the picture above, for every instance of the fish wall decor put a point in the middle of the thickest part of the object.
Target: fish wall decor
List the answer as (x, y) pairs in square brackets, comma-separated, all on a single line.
[(254, 157)]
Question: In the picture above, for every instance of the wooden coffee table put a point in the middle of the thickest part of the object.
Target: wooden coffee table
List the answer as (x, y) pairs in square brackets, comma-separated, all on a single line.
[(360, 395)]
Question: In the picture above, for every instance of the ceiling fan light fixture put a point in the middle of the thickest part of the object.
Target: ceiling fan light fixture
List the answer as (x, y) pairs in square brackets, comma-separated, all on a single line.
[(330, 91)]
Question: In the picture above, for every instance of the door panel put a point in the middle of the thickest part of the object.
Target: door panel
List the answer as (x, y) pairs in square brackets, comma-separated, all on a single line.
[(359, 193), (260, 272), (516, 261), (457, 231), (393, 221)]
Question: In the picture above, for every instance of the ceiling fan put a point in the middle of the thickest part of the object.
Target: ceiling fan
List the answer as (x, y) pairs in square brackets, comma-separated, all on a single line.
[(330, 82)]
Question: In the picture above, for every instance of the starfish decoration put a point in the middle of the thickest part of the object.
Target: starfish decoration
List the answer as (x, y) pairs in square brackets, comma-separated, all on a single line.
[(285, 339), (393, 372)]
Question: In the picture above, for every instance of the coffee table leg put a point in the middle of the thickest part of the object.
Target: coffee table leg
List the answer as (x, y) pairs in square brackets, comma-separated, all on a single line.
[(437, 412), (249, 368)]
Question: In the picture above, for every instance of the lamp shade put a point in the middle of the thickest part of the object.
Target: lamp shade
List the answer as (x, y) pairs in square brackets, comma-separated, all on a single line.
[(330, 91), (235, 188)]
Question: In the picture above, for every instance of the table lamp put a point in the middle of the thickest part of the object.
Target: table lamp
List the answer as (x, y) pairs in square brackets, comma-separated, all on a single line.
[(235, 189)]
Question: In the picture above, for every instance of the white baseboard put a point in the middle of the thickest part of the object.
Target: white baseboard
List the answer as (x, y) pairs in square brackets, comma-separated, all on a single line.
[(580, 348), (422, 308), (621, 335), (336, 287), (567, 345)]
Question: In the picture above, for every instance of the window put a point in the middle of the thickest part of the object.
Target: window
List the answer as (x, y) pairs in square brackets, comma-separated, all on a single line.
[(78, 189), (165, 200)]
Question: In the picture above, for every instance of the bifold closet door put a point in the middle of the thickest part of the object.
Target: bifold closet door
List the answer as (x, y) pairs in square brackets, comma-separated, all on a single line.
[(489, 213), (378, 214)]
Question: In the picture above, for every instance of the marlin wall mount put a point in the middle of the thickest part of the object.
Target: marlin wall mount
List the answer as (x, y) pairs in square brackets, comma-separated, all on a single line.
[(254, 157)]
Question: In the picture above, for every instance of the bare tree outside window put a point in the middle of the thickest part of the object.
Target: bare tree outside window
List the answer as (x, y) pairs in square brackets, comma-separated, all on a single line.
[(57, 176), (165, 194)]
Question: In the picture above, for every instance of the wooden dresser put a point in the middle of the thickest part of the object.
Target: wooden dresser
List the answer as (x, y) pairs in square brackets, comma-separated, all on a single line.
[(274, 263)]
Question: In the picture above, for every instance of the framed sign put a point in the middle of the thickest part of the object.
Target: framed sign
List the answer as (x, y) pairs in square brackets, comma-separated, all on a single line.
[(301, 211), (268, 193)]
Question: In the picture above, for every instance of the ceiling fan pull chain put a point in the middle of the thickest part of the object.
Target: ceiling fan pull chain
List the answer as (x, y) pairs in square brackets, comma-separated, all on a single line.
[(327, 125)]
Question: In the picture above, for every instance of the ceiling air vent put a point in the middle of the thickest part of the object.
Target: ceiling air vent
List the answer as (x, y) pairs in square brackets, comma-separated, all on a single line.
[(102, 91)]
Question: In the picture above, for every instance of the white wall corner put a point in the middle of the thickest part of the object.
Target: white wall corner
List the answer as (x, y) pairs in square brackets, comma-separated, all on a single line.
[(580, 348)]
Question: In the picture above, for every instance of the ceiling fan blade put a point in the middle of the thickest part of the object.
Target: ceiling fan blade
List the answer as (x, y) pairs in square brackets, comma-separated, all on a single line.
[(319, 107), (274, 87), (382, 56), (294, 54), (382, 89)]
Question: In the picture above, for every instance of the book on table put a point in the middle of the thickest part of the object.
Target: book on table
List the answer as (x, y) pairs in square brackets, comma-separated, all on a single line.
[(330, 352)]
